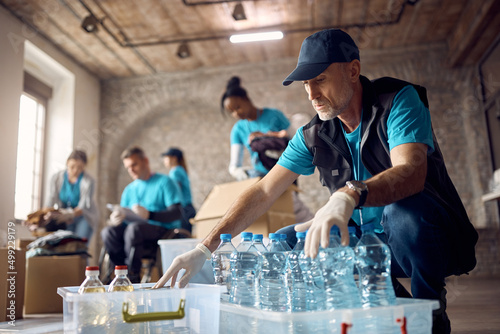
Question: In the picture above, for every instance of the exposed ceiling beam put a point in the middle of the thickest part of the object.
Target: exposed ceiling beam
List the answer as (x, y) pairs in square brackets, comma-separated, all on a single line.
[(470, 32)]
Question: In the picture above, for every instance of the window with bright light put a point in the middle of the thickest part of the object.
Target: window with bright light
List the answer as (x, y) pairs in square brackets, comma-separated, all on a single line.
[(29, 155)]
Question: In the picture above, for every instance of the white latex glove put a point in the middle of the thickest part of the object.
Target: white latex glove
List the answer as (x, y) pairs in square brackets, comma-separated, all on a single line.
[(191, 261), (140, 211), (116, 217), (238, 173), (65, 215), (336, 211)]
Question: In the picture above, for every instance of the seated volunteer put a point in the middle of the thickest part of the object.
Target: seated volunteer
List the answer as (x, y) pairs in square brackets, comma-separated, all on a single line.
[(174, 160), (152, 196), (72, 192), (373, 145)]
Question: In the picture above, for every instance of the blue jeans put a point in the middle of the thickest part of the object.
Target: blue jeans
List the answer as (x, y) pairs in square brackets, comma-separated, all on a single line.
[(81, 228), (417, 232)]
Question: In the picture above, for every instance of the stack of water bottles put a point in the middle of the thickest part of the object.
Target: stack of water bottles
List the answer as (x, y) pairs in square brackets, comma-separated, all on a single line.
[(277, 278)]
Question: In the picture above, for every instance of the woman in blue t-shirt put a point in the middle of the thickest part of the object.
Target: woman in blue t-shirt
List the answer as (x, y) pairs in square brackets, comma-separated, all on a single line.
[(72, 193), (262, 131), (173, 159)]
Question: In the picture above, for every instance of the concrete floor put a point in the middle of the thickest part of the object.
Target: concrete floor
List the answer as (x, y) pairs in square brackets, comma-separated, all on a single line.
[(473, 308)]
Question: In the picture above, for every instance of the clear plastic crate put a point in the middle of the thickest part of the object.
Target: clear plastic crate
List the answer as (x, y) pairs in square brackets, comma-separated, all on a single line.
[(411, 316), (104, 312)]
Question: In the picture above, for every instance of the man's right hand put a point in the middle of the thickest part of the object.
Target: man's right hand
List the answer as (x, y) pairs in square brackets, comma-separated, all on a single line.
[(192, 261), (116, 217)]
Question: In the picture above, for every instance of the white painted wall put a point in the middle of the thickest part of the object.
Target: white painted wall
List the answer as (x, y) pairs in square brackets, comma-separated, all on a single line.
[(74, 109)]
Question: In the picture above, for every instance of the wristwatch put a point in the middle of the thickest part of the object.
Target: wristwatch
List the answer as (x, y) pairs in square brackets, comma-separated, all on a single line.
[(361, 188)]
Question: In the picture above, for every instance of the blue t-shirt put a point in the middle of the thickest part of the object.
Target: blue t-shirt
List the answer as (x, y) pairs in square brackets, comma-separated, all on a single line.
[(155, 194), (70, 192), (179, 175), (270, 120), (409, 122)]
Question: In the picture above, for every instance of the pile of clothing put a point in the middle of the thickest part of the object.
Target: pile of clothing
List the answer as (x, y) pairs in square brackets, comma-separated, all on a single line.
[(60, 242)]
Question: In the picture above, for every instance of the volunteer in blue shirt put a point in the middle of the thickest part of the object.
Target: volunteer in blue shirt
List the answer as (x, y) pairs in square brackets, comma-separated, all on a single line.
[(72, 193), (155, 198), (174, 160), (263, 132), (373, 146), (253, 124)]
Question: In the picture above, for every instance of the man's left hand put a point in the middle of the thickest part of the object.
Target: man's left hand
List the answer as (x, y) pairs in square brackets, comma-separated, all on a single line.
[(140, 211), (336, 211)]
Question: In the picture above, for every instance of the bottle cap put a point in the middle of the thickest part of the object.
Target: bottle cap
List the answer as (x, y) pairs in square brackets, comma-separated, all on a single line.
[(258, 237), (300, 235), (91, 270), (283, 236), (274, 236), (225, 236), (121, 270), (367, 227), (246, 235), (334, 230)]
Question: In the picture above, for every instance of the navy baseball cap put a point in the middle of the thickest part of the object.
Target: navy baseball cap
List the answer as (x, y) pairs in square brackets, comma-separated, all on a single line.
[(173, 151), (320, 50)]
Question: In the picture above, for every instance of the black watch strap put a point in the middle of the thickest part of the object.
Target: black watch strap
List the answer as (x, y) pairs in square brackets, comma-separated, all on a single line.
[(362, 198)]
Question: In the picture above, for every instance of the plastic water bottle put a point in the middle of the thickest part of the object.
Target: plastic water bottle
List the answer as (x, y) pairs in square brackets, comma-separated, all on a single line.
[(92, 283), (273, 290), (373, 258), (297, 292), (315, 285), (353, 241), (246, 241), (93, 316), (353, 238), (245, 269), (257, 243), (337, 265), (285, 244), (221, 261), (121, 281)]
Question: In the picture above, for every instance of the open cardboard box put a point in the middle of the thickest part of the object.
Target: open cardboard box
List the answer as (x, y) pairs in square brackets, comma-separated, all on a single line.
[(221, 197)]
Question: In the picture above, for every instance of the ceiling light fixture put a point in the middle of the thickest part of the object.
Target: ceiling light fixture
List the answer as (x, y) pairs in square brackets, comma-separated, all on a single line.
[(239, 12), (89, 24), (183, 51), (256, 37)]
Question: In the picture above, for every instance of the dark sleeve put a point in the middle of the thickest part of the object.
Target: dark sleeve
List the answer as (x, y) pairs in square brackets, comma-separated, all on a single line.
[(173, 212)]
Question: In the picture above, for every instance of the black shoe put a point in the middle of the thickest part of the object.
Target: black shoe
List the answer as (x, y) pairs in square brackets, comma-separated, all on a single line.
[(440, 323)]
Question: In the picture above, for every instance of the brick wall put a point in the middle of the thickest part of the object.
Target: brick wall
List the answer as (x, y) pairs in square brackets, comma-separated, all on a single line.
[(182, 109)]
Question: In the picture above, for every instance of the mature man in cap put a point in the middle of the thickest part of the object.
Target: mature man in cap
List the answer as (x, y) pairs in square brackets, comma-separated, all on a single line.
[(373, 145)]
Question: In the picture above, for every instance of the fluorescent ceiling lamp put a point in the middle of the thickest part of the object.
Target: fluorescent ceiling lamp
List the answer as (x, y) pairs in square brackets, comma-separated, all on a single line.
[(256, 37)]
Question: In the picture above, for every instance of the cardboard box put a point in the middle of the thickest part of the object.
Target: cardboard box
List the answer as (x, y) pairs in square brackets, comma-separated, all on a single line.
[(21, 243), (44, 274), (12, 274), (220, 198)]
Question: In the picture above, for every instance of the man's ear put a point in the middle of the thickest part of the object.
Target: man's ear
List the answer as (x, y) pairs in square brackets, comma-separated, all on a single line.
[(355, 70)]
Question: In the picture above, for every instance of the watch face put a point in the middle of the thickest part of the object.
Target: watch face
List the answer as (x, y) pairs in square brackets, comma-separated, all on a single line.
[(359, 185)]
